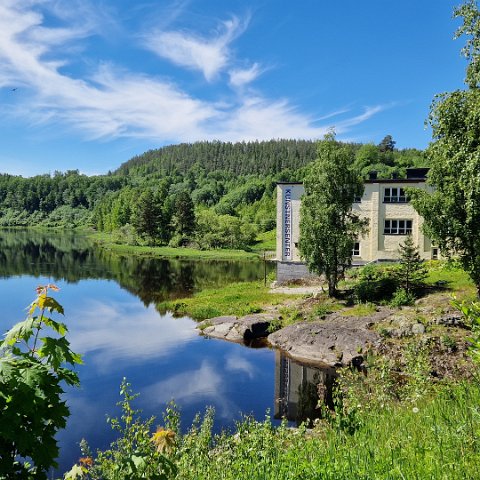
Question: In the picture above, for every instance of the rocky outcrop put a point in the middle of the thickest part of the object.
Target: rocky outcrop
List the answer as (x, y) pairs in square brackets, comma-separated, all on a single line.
[(235, 329), (337, 341)]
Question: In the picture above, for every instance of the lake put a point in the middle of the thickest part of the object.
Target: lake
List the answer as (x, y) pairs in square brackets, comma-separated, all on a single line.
[(109, 303)]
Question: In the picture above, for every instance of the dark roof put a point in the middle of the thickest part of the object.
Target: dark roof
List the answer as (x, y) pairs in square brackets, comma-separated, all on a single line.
[(397, 180)]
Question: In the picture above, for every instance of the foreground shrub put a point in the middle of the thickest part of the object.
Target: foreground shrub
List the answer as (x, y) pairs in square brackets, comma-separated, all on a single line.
[(32, 370), (401, 298)]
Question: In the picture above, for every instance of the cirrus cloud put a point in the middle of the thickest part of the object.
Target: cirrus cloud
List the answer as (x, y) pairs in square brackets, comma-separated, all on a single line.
[(111, 101)]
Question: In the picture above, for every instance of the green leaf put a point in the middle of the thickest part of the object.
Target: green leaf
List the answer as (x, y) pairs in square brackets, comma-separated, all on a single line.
[(57, 351), (21, 331), (50, 304)]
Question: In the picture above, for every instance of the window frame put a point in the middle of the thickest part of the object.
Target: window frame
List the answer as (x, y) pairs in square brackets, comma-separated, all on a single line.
[(394, 195), (397, 226), (356, 250)]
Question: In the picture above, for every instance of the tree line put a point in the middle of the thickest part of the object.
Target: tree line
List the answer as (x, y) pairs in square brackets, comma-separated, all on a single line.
[(206, 194)]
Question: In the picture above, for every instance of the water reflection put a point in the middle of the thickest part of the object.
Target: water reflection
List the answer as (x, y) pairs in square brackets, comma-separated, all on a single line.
[(120, 334), (300, 390), (71, 257)]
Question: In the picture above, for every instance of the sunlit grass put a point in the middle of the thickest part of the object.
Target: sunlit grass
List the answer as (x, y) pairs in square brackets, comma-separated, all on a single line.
[(104, 240), (234, 299), (266, 241)]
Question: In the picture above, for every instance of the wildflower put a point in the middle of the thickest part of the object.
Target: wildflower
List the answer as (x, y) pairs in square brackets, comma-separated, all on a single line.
[(86, 461), (164, 440), (415, 410)]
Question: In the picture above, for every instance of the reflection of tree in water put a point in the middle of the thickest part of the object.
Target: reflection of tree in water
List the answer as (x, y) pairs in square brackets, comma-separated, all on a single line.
[(71, 258)]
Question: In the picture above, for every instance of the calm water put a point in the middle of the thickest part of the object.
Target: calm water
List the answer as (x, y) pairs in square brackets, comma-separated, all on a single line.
[(110, 311)]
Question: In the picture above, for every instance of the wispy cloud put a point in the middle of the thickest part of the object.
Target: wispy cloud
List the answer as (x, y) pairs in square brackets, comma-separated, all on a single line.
[(208, 55), (242, 77), (110, 101)]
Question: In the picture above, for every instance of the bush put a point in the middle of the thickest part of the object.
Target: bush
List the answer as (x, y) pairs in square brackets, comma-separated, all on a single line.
[(137, 453), (32, 370), (374, 284), (402, 298)]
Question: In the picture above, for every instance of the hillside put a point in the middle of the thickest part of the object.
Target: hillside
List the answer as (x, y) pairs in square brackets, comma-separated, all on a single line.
[(206, 194)]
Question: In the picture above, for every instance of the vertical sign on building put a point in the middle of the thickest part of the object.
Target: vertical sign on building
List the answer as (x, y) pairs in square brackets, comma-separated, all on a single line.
[(287, 224)]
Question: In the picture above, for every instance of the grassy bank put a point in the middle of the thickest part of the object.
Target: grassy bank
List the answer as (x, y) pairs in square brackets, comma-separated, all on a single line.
[(108, 241), (234, 299)]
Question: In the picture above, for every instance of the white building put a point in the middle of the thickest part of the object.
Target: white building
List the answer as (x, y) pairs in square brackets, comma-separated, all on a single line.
[(385, 205)]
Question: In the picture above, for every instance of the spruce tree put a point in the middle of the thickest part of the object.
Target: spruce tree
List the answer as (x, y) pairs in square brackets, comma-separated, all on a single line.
[(412, 271)]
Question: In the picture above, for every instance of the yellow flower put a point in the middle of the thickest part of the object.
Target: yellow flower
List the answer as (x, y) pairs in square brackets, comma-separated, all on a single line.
[(164, 440)]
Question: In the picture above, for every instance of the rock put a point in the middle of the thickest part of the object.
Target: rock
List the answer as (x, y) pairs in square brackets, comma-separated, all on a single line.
[(236, 329), (451, 319), (418, 329), (334, 343)]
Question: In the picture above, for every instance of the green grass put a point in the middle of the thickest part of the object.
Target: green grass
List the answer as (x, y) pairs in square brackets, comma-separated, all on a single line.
[(234, 299), (452, 277), (104, 240), (436, 440), (266, 242), (359, 310)]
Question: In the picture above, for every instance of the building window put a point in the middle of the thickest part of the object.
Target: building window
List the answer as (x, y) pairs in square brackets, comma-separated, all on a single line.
[(356, 249), (435, 253), (394, 195), (397, 227)]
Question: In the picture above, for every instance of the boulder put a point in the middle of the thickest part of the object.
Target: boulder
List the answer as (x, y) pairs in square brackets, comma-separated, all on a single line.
[(236, 329), (451, 319), (335, 343)]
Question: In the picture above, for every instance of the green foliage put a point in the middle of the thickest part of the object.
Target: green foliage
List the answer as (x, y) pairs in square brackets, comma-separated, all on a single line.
[(370, 435), (183, 218), (374, 283), (32, 371), (136, 454), (471, 313), (452, 211), (402, 297), (327, 224), (222, 231), (411, 272)]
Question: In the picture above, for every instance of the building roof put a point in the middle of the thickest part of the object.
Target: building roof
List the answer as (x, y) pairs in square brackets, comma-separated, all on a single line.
[(414, 175)]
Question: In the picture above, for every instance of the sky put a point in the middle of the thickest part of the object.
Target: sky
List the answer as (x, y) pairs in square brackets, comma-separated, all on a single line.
[(89, 84)]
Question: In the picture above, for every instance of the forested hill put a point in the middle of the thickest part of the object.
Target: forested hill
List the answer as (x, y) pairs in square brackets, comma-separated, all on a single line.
[(242, 158), (206, 194)]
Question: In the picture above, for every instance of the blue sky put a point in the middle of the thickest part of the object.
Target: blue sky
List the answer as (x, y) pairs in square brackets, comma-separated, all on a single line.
[(97, 82)]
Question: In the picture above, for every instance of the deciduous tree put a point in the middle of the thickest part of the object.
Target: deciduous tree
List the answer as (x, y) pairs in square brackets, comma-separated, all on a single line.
[(328, 226), (452, 210)]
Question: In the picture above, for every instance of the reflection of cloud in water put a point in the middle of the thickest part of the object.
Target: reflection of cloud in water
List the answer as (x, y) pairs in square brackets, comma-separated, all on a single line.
[(127, 331), (190, 387), (237, 363)]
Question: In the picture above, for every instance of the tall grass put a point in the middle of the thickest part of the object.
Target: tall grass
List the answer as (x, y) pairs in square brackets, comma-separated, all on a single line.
[(438, 438)]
